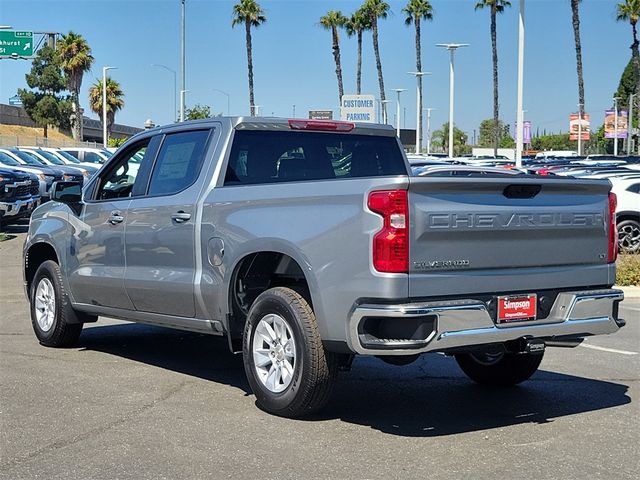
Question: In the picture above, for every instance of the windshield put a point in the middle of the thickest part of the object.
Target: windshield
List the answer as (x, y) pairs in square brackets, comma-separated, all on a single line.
[(51, 157), (27, 158), (65, 155), (7, 160)]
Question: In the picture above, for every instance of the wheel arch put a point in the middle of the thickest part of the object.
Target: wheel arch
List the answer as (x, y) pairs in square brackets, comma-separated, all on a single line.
[(34, 256), (257, 270)]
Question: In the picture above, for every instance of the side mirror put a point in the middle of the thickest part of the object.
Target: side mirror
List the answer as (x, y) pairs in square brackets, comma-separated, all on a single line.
[(67, 192)]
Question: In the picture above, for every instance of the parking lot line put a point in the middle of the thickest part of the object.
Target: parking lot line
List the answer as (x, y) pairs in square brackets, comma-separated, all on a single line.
[(610, 350)]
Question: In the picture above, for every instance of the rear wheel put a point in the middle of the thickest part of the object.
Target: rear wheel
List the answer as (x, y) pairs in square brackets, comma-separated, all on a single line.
[(500, 368), (50, 308), (287, 367)]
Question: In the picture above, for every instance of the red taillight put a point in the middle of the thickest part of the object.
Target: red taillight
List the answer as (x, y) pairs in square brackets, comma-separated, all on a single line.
[(321, 125), (613, 229), (391, 243)]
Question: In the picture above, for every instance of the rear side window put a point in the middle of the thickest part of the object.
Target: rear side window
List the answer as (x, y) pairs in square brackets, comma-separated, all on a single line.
[(271, 157), (92, 157), (635, 188), (178, 163)]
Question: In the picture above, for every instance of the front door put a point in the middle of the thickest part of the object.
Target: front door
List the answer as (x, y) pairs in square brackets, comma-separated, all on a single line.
[(161, 229), (97, 254)]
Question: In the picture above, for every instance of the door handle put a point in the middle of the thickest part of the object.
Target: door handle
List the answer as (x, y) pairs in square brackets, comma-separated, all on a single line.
[(181, 217), (116, 217)]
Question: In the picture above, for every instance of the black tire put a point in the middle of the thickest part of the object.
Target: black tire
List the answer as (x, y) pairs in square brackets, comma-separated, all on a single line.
[(500, 370), (629, 236), (314, 369), (64, 330)]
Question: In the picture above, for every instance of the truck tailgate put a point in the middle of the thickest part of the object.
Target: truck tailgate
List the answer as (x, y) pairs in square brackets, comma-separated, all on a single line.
[(501, 234)]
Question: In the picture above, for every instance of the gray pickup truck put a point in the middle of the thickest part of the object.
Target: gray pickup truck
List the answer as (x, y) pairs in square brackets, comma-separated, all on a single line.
[(308, 242)]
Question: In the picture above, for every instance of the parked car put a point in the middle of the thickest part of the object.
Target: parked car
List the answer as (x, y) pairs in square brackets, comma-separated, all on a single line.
[(71, 160), (96, 156), (13, 160), (305, 243), (74, 173), (18, 195), (628, 213)]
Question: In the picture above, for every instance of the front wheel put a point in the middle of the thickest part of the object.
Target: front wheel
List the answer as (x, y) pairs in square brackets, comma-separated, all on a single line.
[(50, 308), (286, 365), (499, 369)]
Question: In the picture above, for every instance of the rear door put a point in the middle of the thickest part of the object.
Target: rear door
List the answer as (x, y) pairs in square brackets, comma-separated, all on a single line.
[(161, 228), (501, 234)]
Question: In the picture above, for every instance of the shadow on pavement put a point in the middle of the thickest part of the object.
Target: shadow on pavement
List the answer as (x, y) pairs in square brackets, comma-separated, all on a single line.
[(22, 226), (428, 398)]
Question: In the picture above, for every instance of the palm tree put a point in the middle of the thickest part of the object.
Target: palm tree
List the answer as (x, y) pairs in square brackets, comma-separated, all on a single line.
[(115, 100), (249, 13), (629, 10), (356, 24), (76, 60), (417, 10), (495, 7), (375, 9), (332, 21), (576, 34)]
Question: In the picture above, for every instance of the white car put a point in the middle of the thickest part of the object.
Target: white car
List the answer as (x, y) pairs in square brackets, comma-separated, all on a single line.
[(70, 160), (628, 212), (95, 156)]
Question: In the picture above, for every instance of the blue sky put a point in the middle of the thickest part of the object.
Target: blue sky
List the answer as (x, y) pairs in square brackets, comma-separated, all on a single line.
[(293, 63)]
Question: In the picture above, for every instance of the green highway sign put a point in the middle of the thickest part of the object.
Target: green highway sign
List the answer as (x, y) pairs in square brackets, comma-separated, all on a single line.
[(16, 44)]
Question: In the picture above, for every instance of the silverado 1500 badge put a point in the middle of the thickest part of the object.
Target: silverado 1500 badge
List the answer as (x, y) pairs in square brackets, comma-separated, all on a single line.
[(436, 264)]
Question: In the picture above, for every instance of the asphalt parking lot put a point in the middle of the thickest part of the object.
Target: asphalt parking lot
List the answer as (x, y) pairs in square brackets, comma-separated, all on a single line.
[(133, 401)]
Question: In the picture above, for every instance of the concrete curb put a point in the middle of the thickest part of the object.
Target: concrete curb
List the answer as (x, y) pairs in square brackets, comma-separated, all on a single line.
[(630, 292)]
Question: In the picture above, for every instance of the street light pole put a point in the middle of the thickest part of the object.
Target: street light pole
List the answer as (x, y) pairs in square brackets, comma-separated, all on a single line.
[(228, 99), (182, 61), (520, 113), (428, 109), (105, 140), (452, 48), (398, 91), (630, 125), (579, 129), (615, 127), (418, 102), (175, 88), (384, 110)]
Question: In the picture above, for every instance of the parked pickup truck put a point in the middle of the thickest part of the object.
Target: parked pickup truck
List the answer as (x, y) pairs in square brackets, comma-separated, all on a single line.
[(18, 195), (307, 242)]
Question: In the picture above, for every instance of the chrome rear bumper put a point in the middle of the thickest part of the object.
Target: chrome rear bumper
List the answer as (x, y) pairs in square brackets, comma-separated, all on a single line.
[(459, 324)]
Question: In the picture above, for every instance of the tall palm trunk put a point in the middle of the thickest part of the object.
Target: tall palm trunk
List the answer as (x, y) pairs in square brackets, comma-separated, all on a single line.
[(336, 58), (376, 50), (416, 20), (576, 34), (247, 24), (77, 123), (496, 105), (636, 57), (359, 66)]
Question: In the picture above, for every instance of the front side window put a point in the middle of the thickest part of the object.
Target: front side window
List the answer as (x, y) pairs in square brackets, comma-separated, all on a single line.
[(276, 156), (120, 179), (178, 164), (93, 157)]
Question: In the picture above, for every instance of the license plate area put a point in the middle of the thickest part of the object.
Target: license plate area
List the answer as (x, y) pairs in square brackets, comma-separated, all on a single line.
[(517, 308)]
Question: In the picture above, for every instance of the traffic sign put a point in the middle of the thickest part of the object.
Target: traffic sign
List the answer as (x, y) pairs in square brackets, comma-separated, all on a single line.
[(16, 44)]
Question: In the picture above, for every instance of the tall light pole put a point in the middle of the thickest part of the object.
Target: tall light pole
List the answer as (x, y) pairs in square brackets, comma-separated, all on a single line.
[(429, 109), (615, 127), (384, 110), (630, 125), (398, 91), (175, 88), (452, 47), (105, 140), (580, 107), (255, 110), (418, 102), (520, 113), (228, 99), (183, 74)]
